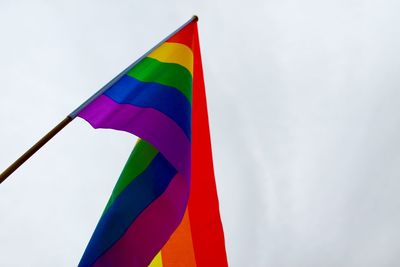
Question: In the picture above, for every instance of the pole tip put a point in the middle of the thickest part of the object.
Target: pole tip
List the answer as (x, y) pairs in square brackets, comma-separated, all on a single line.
[(195, 18)]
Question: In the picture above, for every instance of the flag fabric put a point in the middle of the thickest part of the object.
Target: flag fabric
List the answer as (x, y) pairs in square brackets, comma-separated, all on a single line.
[(164, 209)]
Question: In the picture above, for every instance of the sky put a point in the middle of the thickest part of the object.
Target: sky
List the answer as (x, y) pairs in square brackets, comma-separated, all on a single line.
[(303, 100)]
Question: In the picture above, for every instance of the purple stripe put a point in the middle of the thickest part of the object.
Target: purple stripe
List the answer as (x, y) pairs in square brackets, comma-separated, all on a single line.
[(146, 123), (149, 232)]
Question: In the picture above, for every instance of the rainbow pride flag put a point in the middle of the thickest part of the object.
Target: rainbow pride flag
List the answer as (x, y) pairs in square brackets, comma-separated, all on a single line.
[(164, 209)]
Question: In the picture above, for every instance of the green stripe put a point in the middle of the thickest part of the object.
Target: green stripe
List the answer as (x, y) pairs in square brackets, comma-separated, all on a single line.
[(142, 155), (169, 74)]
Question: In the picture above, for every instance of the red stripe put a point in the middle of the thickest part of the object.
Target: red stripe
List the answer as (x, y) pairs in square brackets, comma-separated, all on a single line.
[(205, 221), (184, 36)]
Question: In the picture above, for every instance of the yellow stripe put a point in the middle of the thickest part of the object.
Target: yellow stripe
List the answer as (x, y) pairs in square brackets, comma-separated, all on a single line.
[(174, 53), (157, 261)]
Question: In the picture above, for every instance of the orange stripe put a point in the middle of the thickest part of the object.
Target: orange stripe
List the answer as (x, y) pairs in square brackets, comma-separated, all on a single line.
[(178, 251)]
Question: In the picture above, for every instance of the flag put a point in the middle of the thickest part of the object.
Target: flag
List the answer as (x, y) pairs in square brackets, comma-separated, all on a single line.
[(164, 209)]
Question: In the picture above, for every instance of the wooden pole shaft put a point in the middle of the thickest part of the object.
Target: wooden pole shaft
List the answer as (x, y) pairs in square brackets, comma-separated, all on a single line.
[(34, 149)]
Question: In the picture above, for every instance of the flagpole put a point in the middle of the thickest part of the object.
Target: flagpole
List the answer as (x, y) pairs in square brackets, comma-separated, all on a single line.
[(34, 149), (7, 172)]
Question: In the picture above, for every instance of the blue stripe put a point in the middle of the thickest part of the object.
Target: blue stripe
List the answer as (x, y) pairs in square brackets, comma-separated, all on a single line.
[(136, 197), (165, 99)]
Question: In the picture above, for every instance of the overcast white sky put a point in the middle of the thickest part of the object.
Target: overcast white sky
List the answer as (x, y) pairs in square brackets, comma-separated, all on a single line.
[(304, 104)]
